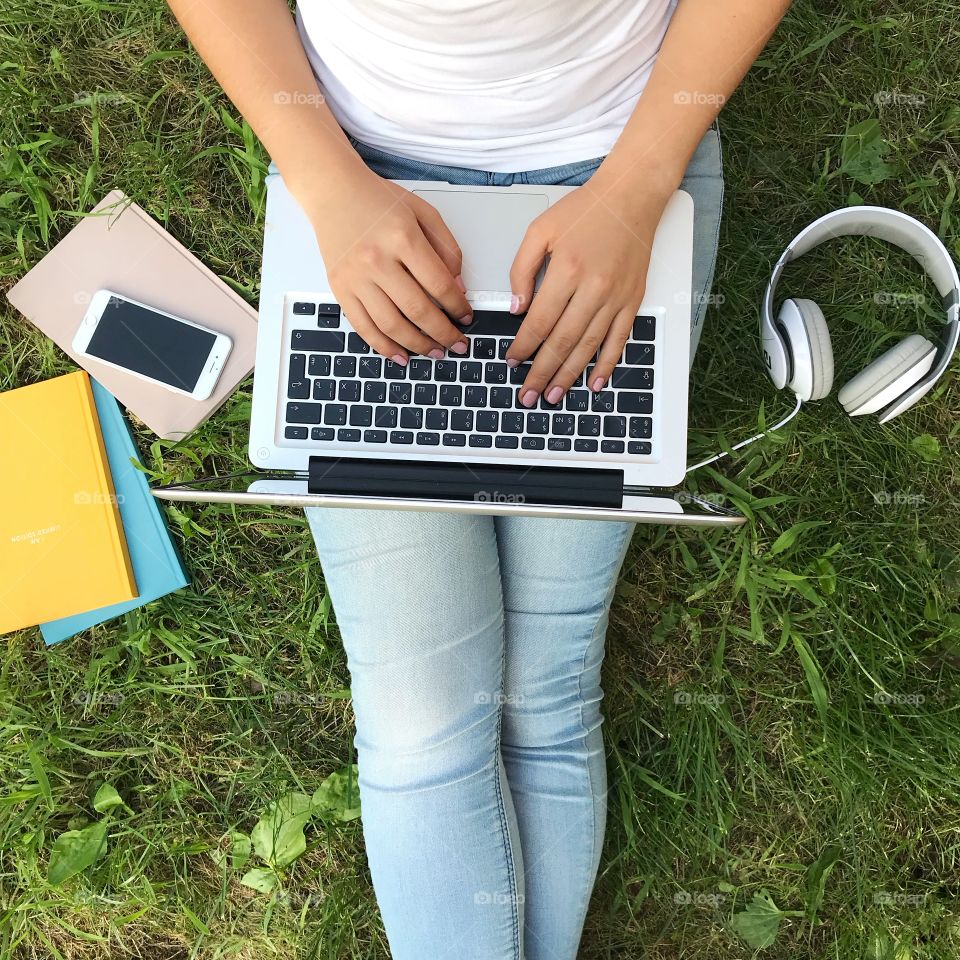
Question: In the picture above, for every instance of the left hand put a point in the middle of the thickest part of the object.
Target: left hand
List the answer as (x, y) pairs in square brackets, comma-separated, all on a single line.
[(599, 239)]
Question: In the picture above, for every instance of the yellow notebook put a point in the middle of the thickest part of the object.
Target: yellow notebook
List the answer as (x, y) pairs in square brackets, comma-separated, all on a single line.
[(62, 549)]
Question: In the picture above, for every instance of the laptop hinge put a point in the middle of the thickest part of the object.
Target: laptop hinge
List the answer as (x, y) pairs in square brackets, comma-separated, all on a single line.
[(453, 480)]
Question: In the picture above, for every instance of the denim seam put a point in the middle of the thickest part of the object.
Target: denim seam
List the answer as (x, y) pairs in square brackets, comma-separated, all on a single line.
[(702, 306), (501, 809)]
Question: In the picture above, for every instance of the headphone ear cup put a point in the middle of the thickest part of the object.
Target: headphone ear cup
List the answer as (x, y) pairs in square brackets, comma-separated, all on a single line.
[(805, 328), (908, 362)]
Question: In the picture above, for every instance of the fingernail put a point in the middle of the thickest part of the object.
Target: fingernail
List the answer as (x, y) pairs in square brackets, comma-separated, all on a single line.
[(554, 395), (436, 353), (463, 321), (597, 384), (529, 398), (459, 347), (399, 359), (511, 363), (460, 283), (514, 303)]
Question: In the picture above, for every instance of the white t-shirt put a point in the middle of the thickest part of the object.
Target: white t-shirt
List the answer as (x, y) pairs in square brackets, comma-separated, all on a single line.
[(501, 85)]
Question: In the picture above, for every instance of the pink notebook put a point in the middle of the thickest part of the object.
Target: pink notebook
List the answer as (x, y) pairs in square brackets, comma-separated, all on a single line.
[(120, 247)]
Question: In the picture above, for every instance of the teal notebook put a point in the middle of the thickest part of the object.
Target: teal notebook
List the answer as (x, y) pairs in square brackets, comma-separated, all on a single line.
[(157, 567)]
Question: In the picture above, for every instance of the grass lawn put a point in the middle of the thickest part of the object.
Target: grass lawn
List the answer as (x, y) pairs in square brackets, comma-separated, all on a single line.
[(783, 705)]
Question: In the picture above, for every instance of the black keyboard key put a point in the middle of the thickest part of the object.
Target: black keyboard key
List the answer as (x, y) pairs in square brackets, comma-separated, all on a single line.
[(401, 392), (322, 433), (640, 447), (611, 446), (628, 402), (303, 413), (487, 421), (481, 440), (454, 439), (640, 354), (532, 443), (641, 428), (334, 414), (295, 433), (301, 309), (495, 323), (436, 419), (421, 369), (578, 401), (512, 422), (563, 424), (585, 446), (401, 436), (394, 371), (538, 423), (602, 402), (503, 345), (411, 418), (507, 443), (328, 321), (319, 341), (545, 405), (361, 415), (445, 371), (645, 328), (451, 395), (356, 344), (374, 392), (349, 391), (369, 367), (328, 309), (346, 435), (298, 366), (428, 439), (475, 397), (588, 425), (298, 389), (495, 372), (632, 378), (324, 389), (614, 426), (319, 365), (385, 417), (558, 443), (375, 436), (425, 394), (519, 373), (484, 348), (470, 372), (345, 366), (501, 397), (461, 420)]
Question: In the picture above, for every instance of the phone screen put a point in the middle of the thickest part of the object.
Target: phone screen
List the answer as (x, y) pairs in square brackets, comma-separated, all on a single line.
[(151, 344)]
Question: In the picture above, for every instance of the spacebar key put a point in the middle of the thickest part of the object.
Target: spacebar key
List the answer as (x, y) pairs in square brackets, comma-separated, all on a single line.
[(494, 323)]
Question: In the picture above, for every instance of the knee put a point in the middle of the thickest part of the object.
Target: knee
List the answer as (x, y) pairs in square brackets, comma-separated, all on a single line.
[(557, 718)]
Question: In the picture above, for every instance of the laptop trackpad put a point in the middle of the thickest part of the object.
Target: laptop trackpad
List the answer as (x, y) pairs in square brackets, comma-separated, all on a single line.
[(489, 226)]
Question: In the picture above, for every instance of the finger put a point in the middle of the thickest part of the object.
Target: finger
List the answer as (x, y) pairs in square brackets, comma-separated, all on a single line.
[(436, 264), (360, 320), (526, 264), (612, 349), (547, 307), (567, 373), (392, 323), (412, 301), (564, 339)]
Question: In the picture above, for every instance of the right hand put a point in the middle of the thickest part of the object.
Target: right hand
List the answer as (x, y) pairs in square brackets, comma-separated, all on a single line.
[(387, 252)]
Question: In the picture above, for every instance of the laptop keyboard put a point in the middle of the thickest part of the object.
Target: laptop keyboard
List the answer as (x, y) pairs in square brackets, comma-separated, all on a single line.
[(339, 390)]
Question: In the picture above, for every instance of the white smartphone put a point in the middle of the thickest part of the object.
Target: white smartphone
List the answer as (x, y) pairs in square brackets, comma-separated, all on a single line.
[(152, 344)]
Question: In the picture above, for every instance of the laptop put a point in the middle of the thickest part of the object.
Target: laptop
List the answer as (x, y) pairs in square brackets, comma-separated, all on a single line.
[(335, 424)]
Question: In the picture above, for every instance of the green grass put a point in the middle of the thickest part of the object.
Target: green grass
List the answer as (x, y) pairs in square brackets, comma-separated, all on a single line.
[(783, 713)]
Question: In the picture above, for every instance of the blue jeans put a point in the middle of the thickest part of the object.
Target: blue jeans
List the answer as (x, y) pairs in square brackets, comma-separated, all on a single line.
[(474, 646)]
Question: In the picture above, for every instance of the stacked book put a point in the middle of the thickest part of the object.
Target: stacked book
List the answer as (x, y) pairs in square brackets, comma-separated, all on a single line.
[(82, 539)]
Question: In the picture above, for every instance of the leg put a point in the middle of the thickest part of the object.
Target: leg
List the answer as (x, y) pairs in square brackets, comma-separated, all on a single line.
[(552, 744), (417, 598)]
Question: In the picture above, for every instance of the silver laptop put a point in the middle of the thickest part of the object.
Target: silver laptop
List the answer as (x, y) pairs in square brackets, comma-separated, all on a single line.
[(334, 424)]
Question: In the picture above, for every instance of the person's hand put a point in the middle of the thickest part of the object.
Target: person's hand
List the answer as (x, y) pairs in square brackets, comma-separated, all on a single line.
[(599, 239), (387, 253)]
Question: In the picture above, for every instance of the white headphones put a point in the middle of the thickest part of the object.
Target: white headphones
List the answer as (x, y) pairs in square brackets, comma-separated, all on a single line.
[(797, 349)]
